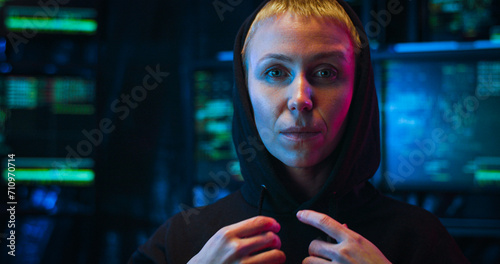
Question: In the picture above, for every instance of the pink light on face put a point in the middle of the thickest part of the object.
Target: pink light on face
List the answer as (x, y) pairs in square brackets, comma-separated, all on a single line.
[(300, 81)]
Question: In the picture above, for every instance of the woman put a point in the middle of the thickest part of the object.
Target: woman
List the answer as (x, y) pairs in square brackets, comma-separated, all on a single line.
[(304, 87)]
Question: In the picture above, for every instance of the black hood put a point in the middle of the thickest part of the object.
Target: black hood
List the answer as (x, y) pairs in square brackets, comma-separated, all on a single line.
[(355, 159)]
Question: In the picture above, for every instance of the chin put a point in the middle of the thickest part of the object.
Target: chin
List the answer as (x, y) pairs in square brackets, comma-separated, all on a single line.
[(303, 161)]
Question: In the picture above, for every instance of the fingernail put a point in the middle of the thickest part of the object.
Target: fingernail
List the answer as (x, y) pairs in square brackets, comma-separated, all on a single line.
[(299, 214)]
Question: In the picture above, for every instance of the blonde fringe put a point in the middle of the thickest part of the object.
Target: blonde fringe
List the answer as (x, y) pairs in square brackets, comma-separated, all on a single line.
[(306, 8)]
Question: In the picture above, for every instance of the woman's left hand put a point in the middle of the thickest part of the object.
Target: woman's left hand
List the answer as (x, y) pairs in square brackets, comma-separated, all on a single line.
[(351, 246)]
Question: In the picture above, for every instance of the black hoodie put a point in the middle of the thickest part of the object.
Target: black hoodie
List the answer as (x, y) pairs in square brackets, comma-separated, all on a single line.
[(403, 233)]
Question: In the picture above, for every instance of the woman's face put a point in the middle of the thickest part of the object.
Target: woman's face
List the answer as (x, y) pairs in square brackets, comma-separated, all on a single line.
[(300, 81)]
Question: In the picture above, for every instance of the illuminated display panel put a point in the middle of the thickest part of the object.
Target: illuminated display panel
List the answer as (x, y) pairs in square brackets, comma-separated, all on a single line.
[(64, 20), (462, 20), (214, 111), (213, 107), (52, 171), (21, 92), (441, 125), (64, 95)]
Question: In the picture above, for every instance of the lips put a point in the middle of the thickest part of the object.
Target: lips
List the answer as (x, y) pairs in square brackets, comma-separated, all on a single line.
[(300, 133)]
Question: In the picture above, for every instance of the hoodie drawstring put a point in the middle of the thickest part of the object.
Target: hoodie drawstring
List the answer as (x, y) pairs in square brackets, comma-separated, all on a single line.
[(263, 192)]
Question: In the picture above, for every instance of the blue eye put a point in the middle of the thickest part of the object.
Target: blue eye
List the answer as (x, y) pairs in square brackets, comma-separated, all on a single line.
[(326, 73), (275, 73)]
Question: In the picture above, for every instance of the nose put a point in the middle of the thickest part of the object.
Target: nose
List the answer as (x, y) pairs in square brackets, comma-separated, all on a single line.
[(300, 98)]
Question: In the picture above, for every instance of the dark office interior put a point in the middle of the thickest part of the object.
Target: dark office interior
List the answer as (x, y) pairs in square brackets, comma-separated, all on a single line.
[(115, 115)]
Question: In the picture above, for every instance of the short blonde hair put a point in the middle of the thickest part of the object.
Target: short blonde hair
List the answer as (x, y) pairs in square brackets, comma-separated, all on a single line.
[(306, 8)]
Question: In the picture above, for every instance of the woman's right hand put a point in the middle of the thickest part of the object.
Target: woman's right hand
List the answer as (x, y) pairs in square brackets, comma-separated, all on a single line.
[(238, 242)]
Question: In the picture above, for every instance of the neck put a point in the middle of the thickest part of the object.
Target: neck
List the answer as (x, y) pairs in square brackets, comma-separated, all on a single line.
[(309, 181)]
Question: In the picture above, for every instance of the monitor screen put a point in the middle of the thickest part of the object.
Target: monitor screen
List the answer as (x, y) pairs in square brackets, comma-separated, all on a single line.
[(48, 171), (462, 20), (40, 115), (61, 94), (27, 92), (441, 124), (67, 20), (215, 153)]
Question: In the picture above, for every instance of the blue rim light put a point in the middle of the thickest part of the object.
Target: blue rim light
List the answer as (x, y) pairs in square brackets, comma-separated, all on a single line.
[(415, 47)]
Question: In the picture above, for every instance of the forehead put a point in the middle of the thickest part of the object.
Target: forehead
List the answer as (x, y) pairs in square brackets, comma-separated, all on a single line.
[(299, 36)]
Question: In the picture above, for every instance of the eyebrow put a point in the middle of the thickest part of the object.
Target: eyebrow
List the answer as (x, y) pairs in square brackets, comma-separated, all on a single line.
[(276, 56), (321, 55)]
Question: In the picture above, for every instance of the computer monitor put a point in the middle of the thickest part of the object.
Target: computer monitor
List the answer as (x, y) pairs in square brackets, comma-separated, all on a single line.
[(44, 19), (441, 123), (213, 110), (462, 20), (40, 115), (48, 171)]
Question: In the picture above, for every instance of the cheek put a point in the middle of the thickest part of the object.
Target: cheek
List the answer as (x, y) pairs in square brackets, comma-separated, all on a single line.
[(342, 113), (343, 99), (346, 99), (259, 105), (336, 110), (265, 112), (344, 104), (262, 112)]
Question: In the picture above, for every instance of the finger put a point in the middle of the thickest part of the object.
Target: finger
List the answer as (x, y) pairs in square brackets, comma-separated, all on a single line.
[(274, 256), (254, 226), (322, 249), (324, 223), (257, 243), (315, 260)]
